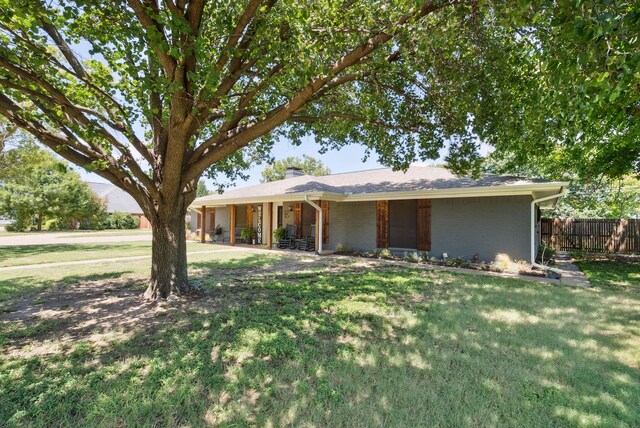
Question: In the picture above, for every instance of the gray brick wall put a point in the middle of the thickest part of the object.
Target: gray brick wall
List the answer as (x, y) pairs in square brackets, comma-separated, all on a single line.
[(486, 226), (352, 224)]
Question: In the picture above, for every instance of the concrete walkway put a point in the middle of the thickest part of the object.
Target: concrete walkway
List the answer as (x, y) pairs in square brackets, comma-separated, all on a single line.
[(571, 274)]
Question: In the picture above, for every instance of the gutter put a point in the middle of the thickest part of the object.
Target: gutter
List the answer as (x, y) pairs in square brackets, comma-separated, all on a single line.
[(533, 230), (319, 210)]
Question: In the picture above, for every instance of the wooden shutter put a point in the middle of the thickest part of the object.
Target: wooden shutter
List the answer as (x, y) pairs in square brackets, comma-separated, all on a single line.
[(232, 225), (297, 217), (382, 224), (424, 225), (249, 216), (325, 221)]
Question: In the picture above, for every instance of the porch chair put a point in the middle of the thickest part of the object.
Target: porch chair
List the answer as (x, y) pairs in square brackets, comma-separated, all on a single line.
[(308, 243), (289, 241)]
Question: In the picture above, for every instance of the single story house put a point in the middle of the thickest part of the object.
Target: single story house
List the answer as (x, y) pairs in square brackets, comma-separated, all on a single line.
[(426, 208), (116, 199)]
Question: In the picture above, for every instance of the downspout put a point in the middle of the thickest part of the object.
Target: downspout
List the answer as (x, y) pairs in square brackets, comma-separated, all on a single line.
[(533, 230), (319, 209)]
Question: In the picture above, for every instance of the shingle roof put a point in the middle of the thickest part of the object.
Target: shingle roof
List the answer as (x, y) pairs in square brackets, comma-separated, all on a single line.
[(416, 178), (115, 198)]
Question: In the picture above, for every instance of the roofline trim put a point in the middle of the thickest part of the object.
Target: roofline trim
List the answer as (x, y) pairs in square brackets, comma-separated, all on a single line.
[(460, 192)]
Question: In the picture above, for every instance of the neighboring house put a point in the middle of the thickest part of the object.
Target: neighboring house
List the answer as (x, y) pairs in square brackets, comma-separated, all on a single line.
[(425, 209), (116, 199)]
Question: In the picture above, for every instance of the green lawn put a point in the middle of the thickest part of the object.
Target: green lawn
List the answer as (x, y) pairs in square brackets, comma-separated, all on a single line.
[(80, 233), (51, 253), (382, 345), (622, 273)]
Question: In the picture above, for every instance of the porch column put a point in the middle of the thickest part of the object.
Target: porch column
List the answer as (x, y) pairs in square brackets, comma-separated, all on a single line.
[(212, 219), (318, 241), (232, 225), (203, 221), (269, 224)]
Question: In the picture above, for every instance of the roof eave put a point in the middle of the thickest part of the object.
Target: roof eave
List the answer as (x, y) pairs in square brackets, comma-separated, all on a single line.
[(285, 197), (460, 192)]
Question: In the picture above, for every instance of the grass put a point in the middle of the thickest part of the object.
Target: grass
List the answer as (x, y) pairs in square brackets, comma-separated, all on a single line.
[(79, 233), (50, 253), (392, 346), (14, 283), (621, 273)]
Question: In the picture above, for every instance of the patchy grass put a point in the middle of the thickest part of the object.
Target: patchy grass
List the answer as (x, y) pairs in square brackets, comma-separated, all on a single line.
[(334, 344), (614, 272), (52, 253), (14, 283)]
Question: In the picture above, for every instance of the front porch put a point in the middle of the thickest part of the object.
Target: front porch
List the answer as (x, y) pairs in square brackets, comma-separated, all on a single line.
[(306, 218)]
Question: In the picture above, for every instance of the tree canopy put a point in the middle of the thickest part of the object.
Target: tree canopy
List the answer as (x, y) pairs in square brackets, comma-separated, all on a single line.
[(192, 87), (36, 186), (308, 164), (201, 189)]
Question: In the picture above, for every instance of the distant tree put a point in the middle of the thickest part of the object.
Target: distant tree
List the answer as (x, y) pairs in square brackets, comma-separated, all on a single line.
[(35, 185), (606, 198), (597, 196), (308, 164), (202, 189)]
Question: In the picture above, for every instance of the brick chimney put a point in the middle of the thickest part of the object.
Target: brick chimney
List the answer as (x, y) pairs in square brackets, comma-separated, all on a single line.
[(293, 171)]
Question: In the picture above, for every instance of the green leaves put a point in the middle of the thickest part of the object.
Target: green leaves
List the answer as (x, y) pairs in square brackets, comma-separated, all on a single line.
[(33, 183), (308, 164)]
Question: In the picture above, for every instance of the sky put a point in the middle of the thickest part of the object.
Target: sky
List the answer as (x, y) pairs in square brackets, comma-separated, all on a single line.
[(347, 159)]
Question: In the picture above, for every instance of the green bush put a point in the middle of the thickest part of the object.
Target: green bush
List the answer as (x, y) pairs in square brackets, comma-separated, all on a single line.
[(279, 234), (247, 234), (54, 224), (119, 220), (15, 227)]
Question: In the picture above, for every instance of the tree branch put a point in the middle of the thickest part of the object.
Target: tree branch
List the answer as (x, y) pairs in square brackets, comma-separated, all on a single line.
[(150, 24), (75, 64), (220, 146)]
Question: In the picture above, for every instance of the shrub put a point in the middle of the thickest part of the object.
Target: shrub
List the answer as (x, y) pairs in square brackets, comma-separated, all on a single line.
[(412, 257), (385, 254), (54, 224), (342, 249), (502, 262), (247, 233), (459, 262), (119, 220), (279, 234), (16, 226)]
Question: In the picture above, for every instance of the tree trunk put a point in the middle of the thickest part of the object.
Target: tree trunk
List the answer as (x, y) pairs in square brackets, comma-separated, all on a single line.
[(168, 257), (39, 222)]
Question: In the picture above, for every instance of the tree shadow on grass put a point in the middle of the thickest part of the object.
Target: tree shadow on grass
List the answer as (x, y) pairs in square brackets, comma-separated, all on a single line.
[(396, 347)]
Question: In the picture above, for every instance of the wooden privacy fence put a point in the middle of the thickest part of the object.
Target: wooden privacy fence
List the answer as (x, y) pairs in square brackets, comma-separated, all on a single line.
[(598, 235)]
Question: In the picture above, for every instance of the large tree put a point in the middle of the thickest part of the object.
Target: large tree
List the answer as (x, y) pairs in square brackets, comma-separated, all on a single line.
[(308, 164), (35, 186), (184, 87)]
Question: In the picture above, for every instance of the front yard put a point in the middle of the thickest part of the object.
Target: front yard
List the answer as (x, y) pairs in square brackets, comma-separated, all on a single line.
[(304, 341)]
